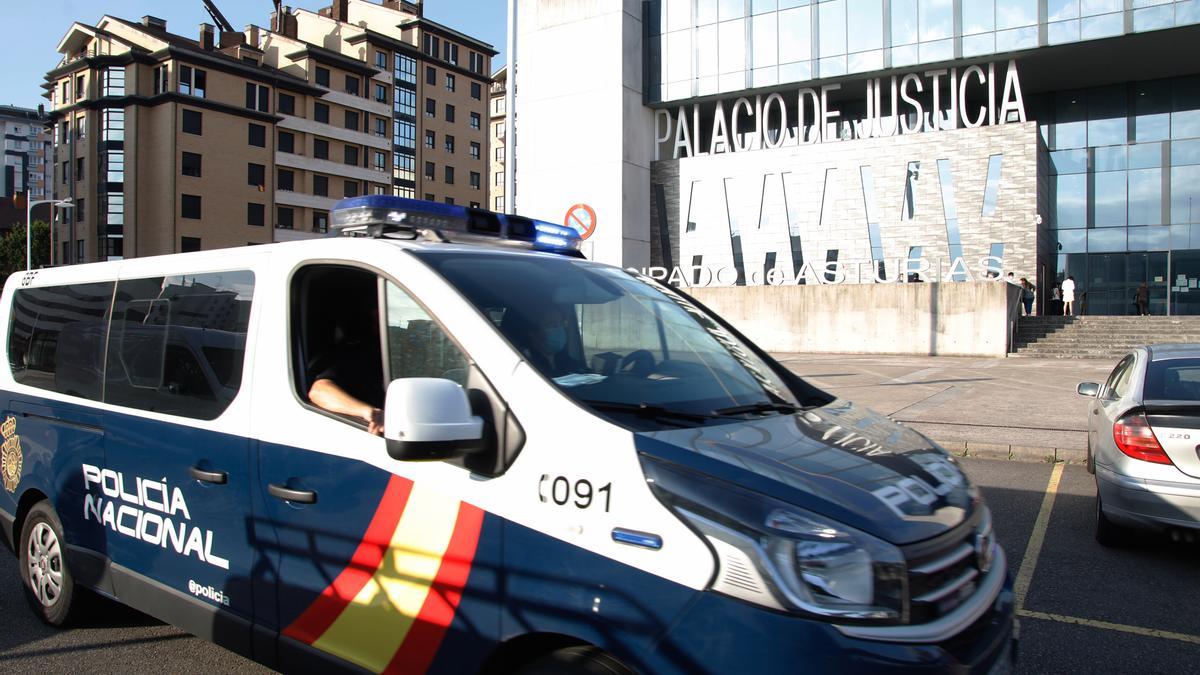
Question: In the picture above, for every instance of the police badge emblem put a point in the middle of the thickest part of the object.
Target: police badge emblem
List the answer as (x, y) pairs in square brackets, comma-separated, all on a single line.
[(11, 460)]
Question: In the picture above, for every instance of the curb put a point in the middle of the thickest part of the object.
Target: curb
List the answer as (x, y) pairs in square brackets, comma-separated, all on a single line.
[(1019, 453)]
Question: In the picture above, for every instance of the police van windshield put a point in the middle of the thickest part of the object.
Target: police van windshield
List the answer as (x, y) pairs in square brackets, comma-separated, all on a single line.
[(643, 356)]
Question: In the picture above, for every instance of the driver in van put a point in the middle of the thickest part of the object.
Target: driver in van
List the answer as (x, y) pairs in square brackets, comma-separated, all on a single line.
[(542, 339), (349, 380)]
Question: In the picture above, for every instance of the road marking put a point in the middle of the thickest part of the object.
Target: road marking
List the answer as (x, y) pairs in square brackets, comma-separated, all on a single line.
[(1105, 625), (1036, 538)]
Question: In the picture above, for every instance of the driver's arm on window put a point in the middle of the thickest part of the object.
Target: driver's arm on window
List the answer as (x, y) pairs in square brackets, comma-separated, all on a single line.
[(326, 394)]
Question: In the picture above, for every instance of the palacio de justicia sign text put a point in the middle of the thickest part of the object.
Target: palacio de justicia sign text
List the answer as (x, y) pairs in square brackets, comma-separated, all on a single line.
[(975, 95)]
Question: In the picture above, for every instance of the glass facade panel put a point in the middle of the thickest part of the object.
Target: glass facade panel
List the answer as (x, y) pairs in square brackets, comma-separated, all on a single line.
[(866, 16), (1072, 241), (1096, 27), (936, 20), (1016, 14), (832, 28), (1058, 10), (765, 41), (1185, 194), (978, 16), (1110, 201), (1107, 115), (1106, 240), (1070, 210), (1145, 197)]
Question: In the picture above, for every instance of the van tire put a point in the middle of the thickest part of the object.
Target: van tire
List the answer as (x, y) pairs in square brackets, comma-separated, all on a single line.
[(582, 660), (43, 557)]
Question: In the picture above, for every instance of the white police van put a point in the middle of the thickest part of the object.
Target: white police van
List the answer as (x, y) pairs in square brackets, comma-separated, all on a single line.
[(579, 468)]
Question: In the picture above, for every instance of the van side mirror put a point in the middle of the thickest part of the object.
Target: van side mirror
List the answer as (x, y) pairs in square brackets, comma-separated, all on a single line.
[(1089, 389), (428, 418)]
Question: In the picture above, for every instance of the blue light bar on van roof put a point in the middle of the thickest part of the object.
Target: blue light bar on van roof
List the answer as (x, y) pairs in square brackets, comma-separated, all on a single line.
[(382, 215)]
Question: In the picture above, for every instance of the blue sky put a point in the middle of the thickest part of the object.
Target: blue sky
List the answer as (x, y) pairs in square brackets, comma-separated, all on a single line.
[(31, 30)]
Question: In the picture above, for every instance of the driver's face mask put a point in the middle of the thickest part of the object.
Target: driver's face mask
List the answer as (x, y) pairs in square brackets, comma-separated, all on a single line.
[(555, 338)]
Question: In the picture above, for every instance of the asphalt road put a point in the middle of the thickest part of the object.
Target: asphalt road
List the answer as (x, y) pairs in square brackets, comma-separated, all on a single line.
[(1085, 609)]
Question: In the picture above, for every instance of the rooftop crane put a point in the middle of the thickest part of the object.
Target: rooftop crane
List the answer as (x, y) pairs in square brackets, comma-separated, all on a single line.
[(217, 17)]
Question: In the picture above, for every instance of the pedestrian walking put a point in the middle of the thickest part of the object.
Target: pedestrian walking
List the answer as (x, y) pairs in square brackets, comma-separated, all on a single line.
[(1056, 303), (1142, 298), (1027, 296), (1068, 296)]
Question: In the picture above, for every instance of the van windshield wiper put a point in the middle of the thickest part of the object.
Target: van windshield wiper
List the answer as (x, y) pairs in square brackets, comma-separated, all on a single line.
[(759, 407), (650, 410)]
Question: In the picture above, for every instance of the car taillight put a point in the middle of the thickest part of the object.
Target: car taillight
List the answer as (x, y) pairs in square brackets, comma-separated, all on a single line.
[(1135, 438)]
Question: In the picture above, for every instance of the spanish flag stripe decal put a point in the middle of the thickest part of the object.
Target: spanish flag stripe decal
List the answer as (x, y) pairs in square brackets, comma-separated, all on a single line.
[(321, 614), (423, 640), (373, 626)]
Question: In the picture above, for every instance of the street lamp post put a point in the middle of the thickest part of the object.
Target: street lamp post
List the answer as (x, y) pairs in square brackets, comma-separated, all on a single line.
[(60, 203)]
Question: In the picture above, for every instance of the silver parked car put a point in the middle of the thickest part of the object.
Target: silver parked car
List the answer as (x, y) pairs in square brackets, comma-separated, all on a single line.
[(1144, 444)]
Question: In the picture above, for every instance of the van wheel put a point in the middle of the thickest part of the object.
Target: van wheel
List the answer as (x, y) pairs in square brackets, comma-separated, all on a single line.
[(1109, 533), (584, 660), (49, 587)]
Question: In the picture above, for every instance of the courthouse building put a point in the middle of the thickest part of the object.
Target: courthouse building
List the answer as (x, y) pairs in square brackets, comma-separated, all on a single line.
[(747, 142)]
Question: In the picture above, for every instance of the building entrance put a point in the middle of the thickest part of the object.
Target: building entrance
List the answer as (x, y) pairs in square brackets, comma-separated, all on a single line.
[(1106, 283)]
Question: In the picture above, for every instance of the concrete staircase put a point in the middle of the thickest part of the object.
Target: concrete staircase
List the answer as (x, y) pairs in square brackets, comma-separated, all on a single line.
[(1099, 337)]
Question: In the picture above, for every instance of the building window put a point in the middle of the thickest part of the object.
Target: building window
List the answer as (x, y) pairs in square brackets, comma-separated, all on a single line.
[(320, 222), (256, 214), (475, 120), (381, 60), (321, 186), (186, 245), (320, 148), (350, 188), (498, 178), (257, 135), (449, 175), (112, 82), (81, 210), (477, 64), (449, 113), (449, 82), (286, 105), (380, 161), (450, 201), (428, 196), (474, 205), (430, 139), (112, 123), (285, 218), (322, 76), (257, 97), (192, 81), (404, 166), (498, 105), (112, 166), (286, 181), (500, 154), (429, 170), (189, 165), (381, 93), (287, 142), (350, 156), (80, 128), (431, 45), (351, 121), (430, 76), (499, 130), (475, 180), (321, 113), (160, 84), (189, 206), (405, 134), (476, 91), (406, 102), (450, 52), (406, 69), (430, 108), (498, 203), (404, 191), (352, 85), (256, 175), (381, 127), (449, 144), (474, 150), (78, 173)]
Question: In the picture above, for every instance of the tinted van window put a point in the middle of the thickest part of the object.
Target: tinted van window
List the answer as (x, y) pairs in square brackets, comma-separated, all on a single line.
[(178, 343), (53, 335)]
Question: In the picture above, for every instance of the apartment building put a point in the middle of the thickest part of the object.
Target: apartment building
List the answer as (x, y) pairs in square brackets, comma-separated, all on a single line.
[(26, 146), (170, 144), (496, 159)]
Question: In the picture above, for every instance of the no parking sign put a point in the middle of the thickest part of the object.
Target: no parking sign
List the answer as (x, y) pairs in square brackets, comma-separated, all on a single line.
[(582, 219)]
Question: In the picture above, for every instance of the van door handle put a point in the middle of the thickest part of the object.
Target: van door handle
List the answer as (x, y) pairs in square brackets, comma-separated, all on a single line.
[(218, 477), (289, 495)]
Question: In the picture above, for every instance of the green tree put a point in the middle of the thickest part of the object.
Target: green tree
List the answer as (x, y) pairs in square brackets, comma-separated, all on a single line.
[(12, 248)]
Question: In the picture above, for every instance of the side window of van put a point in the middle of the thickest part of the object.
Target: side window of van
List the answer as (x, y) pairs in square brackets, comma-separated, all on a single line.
[(177, 344), (56, 337), (417, 345)]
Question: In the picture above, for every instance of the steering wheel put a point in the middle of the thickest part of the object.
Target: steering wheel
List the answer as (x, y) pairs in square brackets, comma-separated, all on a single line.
[(639, 362)]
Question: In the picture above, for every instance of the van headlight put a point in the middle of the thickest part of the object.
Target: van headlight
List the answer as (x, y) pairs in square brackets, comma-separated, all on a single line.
[(783, 557)]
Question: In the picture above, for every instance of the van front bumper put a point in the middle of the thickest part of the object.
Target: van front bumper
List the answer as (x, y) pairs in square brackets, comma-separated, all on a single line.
[(719, 634)]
